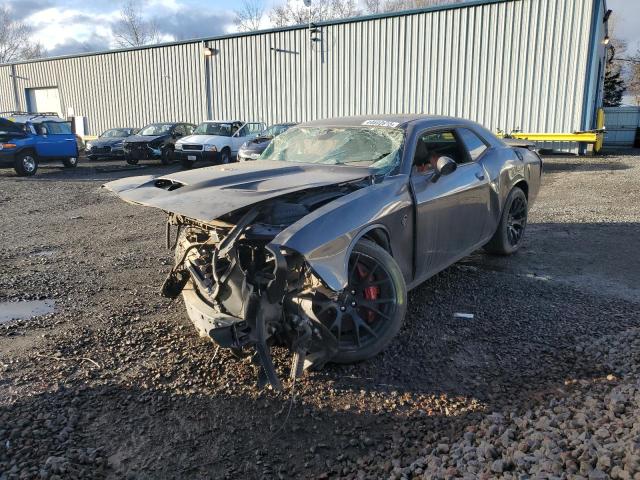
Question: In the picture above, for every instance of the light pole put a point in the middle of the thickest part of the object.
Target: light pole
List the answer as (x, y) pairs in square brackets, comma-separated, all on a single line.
[(309, 95)]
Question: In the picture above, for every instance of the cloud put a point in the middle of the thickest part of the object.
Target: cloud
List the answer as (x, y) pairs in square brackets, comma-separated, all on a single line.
[(94, 43), (184, 24), (20, 9)]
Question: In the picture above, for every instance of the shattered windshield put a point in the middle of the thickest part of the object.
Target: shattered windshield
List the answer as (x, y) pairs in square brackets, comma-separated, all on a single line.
[(373, 147)]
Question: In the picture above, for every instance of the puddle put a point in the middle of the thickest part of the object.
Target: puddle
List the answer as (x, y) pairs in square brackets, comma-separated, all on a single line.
[(25, 310)]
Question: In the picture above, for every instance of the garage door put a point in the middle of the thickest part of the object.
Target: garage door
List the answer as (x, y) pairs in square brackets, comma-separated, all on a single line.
[(44, 100), (621, 124)]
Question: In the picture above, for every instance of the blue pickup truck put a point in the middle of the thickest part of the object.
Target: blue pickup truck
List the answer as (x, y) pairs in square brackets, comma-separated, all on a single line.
[(26, 139)]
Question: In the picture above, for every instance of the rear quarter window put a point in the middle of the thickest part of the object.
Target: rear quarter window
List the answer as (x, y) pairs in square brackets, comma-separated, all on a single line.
[(473, 143)]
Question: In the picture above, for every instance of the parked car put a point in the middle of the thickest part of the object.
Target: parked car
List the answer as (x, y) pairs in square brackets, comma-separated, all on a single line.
[(315, 245), (26, 139), (109, 144), (216, 141), (155, 141), (252, 149)]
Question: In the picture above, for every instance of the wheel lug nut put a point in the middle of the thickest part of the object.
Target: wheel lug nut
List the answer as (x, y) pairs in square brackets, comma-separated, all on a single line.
[(353, 292), (353, 304), (343, 308)]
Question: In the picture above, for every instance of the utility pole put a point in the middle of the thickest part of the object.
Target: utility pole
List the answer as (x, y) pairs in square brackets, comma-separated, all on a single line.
[(310, 64)]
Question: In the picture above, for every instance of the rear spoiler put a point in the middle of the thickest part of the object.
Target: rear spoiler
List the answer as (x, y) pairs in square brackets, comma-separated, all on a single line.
[(516, 142)]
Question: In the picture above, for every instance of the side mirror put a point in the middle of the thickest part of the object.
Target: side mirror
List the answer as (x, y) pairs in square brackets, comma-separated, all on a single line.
[(445, 166), (44, 131)]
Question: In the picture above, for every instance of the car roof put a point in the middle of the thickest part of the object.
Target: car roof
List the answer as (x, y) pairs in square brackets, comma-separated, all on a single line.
[(34, 118), (399, 121)]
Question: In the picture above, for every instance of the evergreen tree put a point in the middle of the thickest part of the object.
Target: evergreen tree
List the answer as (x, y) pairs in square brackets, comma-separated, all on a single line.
[(614, 86)]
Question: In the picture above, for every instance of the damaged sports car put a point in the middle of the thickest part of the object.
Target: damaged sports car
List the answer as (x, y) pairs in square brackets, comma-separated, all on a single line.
[(314, 246)]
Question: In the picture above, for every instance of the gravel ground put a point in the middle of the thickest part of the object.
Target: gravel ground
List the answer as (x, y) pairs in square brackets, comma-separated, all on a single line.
[(543, 382)]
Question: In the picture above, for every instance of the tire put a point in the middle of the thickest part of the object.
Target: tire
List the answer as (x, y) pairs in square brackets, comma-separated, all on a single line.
[(167, 156), (26, 164), (225, 156), (132, 161), (187, 164), (92, 158), (509, 235), (70, 162), (361, 306)]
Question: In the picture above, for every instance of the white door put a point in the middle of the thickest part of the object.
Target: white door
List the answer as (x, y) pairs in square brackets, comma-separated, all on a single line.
[(44, 100)]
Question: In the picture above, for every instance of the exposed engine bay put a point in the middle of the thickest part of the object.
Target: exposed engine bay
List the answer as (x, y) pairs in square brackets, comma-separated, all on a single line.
[(252, 294)]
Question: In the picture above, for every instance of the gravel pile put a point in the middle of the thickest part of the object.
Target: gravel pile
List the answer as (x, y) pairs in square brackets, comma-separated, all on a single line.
[(591, 431)]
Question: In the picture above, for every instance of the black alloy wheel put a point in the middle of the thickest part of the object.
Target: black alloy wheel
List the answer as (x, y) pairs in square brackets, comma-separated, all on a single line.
[(516, 221), (369, 311), (509, 234)]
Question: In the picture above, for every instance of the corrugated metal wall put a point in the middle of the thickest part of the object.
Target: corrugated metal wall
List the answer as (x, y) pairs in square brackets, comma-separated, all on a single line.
[(518, 64), (506, 64), (128, 88)]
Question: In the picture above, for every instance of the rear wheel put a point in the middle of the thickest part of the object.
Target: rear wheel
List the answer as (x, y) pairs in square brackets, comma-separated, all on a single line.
[(510, 232), (370, 310), (132, 161), (93, 157), (70, 162), (26, 164)]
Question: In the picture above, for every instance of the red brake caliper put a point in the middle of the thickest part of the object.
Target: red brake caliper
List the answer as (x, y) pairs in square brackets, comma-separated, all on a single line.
[(371, 292)]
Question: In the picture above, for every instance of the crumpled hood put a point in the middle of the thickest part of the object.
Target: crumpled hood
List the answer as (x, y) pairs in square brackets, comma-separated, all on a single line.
[(257, 145), (208, 193), (144, 138), (204, 139)]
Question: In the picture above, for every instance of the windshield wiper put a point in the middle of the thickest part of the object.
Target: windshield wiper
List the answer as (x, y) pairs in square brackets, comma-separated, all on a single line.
[(372, 160)]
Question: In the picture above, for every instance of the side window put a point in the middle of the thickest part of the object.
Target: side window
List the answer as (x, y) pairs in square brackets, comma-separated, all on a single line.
[(179, 130), (57, 128), (188, 129), (433, 145), (474, 144), (244, 131)]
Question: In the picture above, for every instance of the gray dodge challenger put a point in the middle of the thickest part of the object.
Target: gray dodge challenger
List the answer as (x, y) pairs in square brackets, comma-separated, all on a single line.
[(315, 245)]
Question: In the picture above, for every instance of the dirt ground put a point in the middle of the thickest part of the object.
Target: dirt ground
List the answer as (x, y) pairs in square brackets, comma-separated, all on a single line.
[(115, 383)]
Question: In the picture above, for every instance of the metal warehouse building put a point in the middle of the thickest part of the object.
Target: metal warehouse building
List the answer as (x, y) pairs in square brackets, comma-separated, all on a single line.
[(536, 65)]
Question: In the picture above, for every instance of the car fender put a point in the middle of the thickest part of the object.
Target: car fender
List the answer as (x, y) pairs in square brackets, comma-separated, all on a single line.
[(326, 237)]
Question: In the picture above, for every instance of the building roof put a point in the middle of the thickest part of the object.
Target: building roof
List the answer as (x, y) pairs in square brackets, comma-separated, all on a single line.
[(435, 8)]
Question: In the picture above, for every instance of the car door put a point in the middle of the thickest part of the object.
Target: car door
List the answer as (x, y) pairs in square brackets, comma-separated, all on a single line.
[(451, 210), (239, 138), (56, 140)]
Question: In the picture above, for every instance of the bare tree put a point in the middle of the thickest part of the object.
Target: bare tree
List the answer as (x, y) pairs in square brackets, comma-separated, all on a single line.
[(633, 78), (15, 39), (382, 6), (132, 30), (249, 15), (293, 12)]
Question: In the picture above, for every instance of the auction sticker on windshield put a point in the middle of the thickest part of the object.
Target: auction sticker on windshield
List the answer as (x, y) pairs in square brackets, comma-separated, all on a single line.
[(380, 123)]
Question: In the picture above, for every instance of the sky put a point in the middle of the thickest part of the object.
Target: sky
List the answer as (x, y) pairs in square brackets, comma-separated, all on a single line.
[(72, 26)]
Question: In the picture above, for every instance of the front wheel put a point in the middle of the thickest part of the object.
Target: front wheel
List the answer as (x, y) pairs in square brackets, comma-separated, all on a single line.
[(510, 232), (26, 164), (166, 156), (225, 156), (70, 162), (370, 310), (132, 161), (187, 164)]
